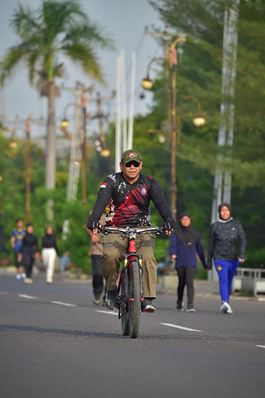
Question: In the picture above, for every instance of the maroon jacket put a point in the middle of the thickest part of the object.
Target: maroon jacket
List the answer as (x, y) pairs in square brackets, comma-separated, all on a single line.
[(128, 204)]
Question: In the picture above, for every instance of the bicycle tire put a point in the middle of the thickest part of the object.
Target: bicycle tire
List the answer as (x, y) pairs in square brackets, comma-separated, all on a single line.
[(125, 314), (135, 305)]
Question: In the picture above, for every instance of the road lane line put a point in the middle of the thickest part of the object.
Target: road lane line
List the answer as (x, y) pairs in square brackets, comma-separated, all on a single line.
[(180, 327), (261, 346), (61, 303), (3, 292), (107, 312), (27, 297)]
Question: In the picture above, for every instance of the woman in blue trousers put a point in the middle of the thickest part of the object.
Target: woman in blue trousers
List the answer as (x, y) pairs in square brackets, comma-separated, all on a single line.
[(225, 235), (185, 242)]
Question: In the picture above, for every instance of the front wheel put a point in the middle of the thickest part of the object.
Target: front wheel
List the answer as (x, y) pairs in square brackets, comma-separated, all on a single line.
[(134, 304), (125, 314)]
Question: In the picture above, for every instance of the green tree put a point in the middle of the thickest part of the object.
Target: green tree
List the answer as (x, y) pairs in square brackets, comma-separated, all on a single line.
[(55, 28)]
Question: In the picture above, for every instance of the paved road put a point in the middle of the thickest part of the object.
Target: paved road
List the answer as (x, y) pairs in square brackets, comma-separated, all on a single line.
[(49, 349)]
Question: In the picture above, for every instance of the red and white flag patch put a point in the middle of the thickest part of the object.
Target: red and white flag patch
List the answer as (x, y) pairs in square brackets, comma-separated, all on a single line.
[(103, 185)]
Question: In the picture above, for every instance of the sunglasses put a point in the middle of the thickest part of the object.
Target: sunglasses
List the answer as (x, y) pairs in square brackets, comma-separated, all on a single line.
[(136, 164)]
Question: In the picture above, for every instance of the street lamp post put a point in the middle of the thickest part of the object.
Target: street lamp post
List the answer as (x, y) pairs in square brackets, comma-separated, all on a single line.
[(147, 84), (84, 199), (173, 61), (198, 120), (28, 169)]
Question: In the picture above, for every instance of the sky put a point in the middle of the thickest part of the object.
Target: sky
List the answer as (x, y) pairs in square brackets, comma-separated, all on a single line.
[(124, 22)]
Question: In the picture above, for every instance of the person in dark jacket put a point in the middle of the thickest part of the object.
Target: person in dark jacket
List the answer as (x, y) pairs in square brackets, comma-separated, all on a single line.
[(28, 251), (223, 241), (48, 253), (185, 242), (128, 194)]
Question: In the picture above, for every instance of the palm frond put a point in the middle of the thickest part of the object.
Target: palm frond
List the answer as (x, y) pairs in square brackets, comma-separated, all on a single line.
[(11, 61), (83, 54), (91, 33), (24, 21)]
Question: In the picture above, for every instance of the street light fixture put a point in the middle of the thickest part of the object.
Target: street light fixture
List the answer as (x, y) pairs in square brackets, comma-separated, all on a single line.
[(198, 120)]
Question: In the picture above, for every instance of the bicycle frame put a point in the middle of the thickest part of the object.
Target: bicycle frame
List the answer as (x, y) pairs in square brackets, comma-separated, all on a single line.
[(129, 257)]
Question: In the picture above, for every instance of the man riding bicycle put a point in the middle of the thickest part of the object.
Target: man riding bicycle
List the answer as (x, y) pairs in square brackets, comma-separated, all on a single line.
[(127, 196)]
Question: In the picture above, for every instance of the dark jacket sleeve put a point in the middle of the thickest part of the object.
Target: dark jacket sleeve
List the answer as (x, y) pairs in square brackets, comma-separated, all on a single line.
[(104, 196), (158, 197), (211, 246), (201, 252), (173, 244), (243, 241)]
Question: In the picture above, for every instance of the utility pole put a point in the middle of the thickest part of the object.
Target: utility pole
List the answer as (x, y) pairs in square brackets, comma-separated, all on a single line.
[(222, 181), (100, 115)]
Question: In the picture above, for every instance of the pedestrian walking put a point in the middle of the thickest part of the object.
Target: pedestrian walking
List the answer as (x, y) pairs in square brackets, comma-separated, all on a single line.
[(16, 241), (225, 234), (48, 252), (96, 253), (185, 242), (28, 251)]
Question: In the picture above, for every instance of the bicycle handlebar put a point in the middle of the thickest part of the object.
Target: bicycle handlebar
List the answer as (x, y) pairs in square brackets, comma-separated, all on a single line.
[(126, 231)]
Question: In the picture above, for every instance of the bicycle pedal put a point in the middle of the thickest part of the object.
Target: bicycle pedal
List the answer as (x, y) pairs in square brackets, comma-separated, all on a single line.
[(148, 311)]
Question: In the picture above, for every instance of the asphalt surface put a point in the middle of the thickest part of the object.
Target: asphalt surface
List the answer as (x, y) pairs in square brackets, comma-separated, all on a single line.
[(55, 343)]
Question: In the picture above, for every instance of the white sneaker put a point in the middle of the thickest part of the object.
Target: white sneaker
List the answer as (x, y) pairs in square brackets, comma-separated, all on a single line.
[(49, 280), (28, 280), (18, 277), (23, 275), (225, 308), (229, 311)]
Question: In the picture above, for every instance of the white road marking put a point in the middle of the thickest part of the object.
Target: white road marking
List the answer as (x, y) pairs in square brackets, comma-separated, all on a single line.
[(180, 327), (27, 297), (261, 346), (3, 292), (107, 312), (61, 303)]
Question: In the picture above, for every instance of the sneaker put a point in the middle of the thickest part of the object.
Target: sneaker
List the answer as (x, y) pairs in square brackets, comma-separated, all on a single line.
[(147, 305), (179, 306), (28, 280), (18, 277), (225, 308), (23, 275), (230, 311), (96, 300), (49, 280), (111, 299), (190, 308)]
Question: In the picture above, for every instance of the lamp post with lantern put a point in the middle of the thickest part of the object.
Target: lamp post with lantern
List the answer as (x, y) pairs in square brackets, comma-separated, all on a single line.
[(198, 120)]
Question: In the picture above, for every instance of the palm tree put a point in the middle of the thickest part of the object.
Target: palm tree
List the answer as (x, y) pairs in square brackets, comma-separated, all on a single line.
[(55, 28)]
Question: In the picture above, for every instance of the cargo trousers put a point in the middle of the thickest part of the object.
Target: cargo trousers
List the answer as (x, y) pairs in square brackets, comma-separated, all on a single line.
[(114, 248)]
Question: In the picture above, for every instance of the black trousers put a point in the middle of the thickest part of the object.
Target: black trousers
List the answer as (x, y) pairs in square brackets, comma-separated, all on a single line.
[(97, 281), (17, 263), (28, 260), (186, 275)]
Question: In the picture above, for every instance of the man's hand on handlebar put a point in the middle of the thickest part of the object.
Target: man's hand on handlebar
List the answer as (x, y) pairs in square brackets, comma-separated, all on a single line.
[(169, 227), (94, 226)]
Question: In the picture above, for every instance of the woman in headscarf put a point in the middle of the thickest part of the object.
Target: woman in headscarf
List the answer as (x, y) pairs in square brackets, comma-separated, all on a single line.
[(223, 241), (184, 244)]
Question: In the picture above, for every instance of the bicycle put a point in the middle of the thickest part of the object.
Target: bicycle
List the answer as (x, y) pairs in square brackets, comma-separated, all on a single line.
[(130, 286)]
